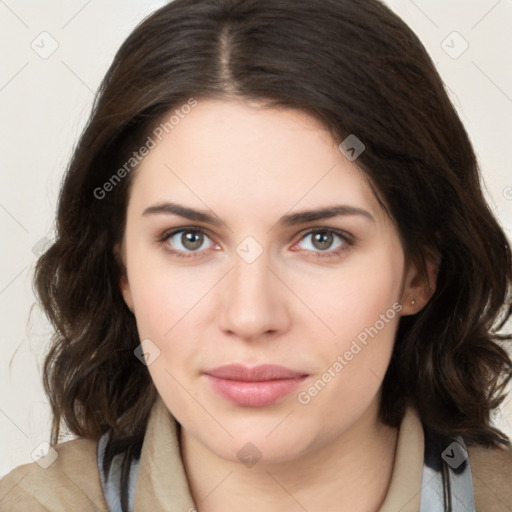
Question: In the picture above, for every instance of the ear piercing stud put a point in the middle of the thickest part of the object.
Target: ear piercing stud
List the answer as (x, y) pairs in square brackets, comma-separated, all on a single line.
[(413, 302)]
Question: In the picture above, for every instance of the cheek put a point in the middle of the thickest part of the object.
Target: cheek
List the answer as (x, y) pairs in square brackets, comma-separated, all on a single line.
[(352, 369), (361, 306), (355, 296), (163, 293)]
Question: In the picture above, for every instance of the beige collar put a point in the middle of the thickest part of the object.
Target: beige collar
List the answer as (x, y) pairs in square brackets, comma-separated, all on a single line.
[(162, 482)]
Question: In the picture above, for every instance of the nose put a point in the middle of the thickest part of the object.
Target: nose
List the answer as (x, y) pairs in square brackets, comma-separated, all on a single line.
[(253, 301)]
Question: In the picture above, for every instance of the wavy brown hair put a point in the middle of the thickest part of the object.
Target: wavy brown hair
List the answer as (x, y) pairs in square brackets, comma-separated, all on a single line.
[(359, 69)]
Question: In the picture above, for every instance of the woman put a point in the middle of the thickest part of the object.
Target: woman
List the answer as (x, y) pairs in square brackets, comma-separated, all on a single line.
[(276, 284)]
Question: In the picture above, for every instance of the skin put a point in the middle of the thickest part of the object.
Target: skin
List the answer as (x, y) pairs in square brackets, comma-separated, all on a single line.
[(249, 166)]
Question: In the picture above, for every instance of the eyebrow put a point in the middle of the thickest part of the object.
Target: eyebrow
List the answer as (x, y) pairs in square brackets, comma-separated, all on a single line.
[(293, 219)]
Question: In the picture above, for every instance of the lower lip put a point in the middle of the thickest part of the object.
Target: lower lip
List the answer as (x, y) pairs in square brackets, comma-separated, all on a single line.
[(254, 394)]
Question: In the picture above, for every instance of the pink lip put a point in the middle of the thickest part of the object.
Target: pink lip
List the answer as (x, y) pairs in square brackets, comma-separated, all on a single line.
[(254, 387)]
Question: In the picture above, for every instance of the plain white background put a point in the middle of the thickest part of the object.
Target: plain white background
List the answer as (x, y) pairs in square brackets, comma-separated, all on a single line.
[(45, 100)]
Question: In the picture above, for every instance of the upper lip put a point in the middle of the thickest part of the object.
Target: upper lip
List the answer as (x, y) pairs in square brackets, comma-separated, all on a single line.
[(253, 374)]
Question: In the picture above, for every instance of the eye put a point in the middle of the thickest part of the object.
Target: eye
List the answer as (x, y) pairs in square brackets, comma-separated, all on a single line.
[(322, 240), (189, 242), (185, 240)]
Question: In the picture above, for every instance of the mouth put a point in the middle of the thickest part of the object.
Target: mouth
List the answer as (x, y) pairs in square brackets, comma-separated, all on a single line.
[(254, 387)]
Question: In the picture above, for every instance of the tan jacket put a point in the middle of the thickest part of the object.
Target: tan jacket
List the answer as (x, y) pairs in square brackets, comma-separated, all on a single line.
[(72, 481)]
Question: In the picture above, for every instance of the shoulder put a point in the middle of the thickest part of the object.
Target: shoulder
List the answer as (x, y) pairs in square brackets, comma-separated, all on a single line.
[(491, 469), (69, 474)]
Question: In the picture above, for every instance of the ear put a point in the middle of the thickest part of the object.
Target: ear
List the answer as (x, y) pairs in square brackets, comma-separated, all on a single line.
[(124, 284), (419, 285)]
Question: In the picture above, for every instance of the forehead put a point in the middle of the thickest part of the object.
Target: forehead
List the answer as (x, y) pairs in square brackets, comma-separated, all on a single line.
[(239, 158)]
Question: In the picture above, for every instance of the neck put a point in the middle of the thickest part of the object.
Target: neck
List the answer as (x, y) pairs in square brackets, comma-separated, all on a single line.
[(352, 472)]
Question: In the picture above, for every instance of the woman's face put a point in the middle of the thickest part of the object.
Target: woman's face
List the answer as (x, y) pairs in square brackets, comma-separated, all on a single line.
[(319, 296)]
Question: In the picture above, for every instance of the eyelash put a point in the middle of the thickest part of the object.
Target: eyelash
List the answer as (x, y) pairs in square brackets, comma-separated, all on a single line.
[(348, 241)]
